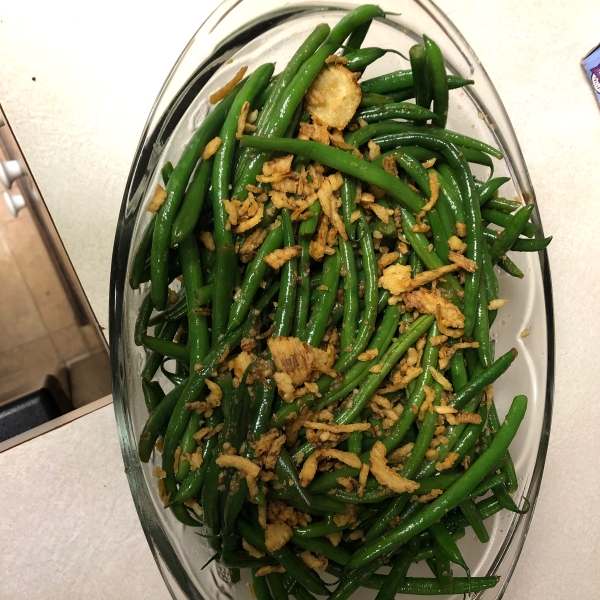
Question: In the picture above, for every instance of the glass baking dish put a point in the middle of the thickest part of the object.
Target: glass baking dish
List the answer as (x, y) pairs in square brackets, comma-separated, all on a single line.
[(243, 32)]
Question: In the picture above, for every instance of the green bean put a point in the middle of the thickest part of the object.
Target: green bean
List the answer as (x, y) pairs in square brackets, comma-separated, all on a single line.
[(485, 378), (396, 433), (469, 510), (175, 312), (287, 290), (260, 586), (421, 586), (175, 190), (211, 498), (341, 161), (166, 171), (487, 484), (448, 193), (284, 108), (420, 245), (439, 83), (275, 91), (481, 329), (397, 110), (504, 498), (141, 323), (223, 237), (324, 547), (426, 432), (412, 166), (443, 540), (511, 232), (286, 558), (440, 567), (188, 445), (277, 586), (303, 292), (255, 273), (317, 530), (387, 361), (471, 434), (193, 201), (421, 80), (502, 219), (490, 187), (452, 497), (167, 348), (440, 238), (507, 265), (398, 571), (192, 280), (460, 377), (156, 422), (536, 245), (224, 282), (349, 205), (286, 473), (491, 287), (385, 128), (371, 99), (351, 304), (503, 205), (355, 443), (352, 580), (153, 394), (402, 80), (359, 60), (315, 328), (357, 37), (140, 255), (194, 481)]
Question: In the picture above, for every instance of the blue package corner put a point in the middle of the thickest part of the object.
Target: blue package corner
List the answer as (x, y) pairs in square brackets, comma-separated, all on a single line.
[(591, 65)]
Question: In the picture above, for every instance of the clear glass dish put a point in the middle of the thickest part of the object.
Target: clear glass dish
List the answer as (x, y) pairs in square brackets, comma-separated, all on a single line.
[(245, 32)]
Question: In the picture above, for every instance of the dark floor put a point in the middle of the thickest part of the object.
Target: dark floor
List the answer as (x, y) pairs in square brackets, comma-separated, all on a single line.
[(39, 335)]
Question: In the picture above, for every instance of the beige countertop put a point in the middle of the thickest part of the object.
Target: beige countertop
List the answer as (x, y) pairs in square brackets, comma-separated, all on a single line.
[(68, 525)]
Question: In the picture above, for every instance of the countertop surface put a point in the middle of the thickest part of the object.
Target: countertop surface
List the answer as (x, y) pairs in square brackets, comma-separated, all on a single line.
[(77, 86)]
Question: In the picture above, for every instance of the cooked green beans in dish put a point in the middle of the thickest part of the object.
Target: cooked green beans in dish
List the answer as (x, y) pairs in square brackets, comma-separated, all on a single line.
[(318, 286)]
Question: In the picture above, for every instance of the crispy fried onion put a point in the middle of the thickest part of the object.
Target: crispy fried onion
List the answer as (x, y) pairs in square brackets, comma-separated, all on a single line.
[(243, 215), (387, 476), (440, 379), (268, 446), (211, 401), (228, 87), (279, 257), (397, 278), (449, 318), (447, 352), (312, 561), (334, 428), (277, 535), (333, 96), (462, 261), (408, 369), (248, 250), (160, 195), (243, 465), (309, 468), (330, 202), (299, 360)]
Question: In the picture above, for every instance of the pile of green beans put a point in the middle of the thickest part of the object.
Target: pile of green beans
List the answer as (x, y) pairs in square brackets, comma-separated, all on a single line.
[(210, 309)]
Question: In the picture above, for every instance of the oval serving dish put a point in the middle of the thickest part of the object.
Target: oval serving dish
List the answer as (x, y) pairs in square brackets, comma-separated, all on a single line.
[(243, 32)]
